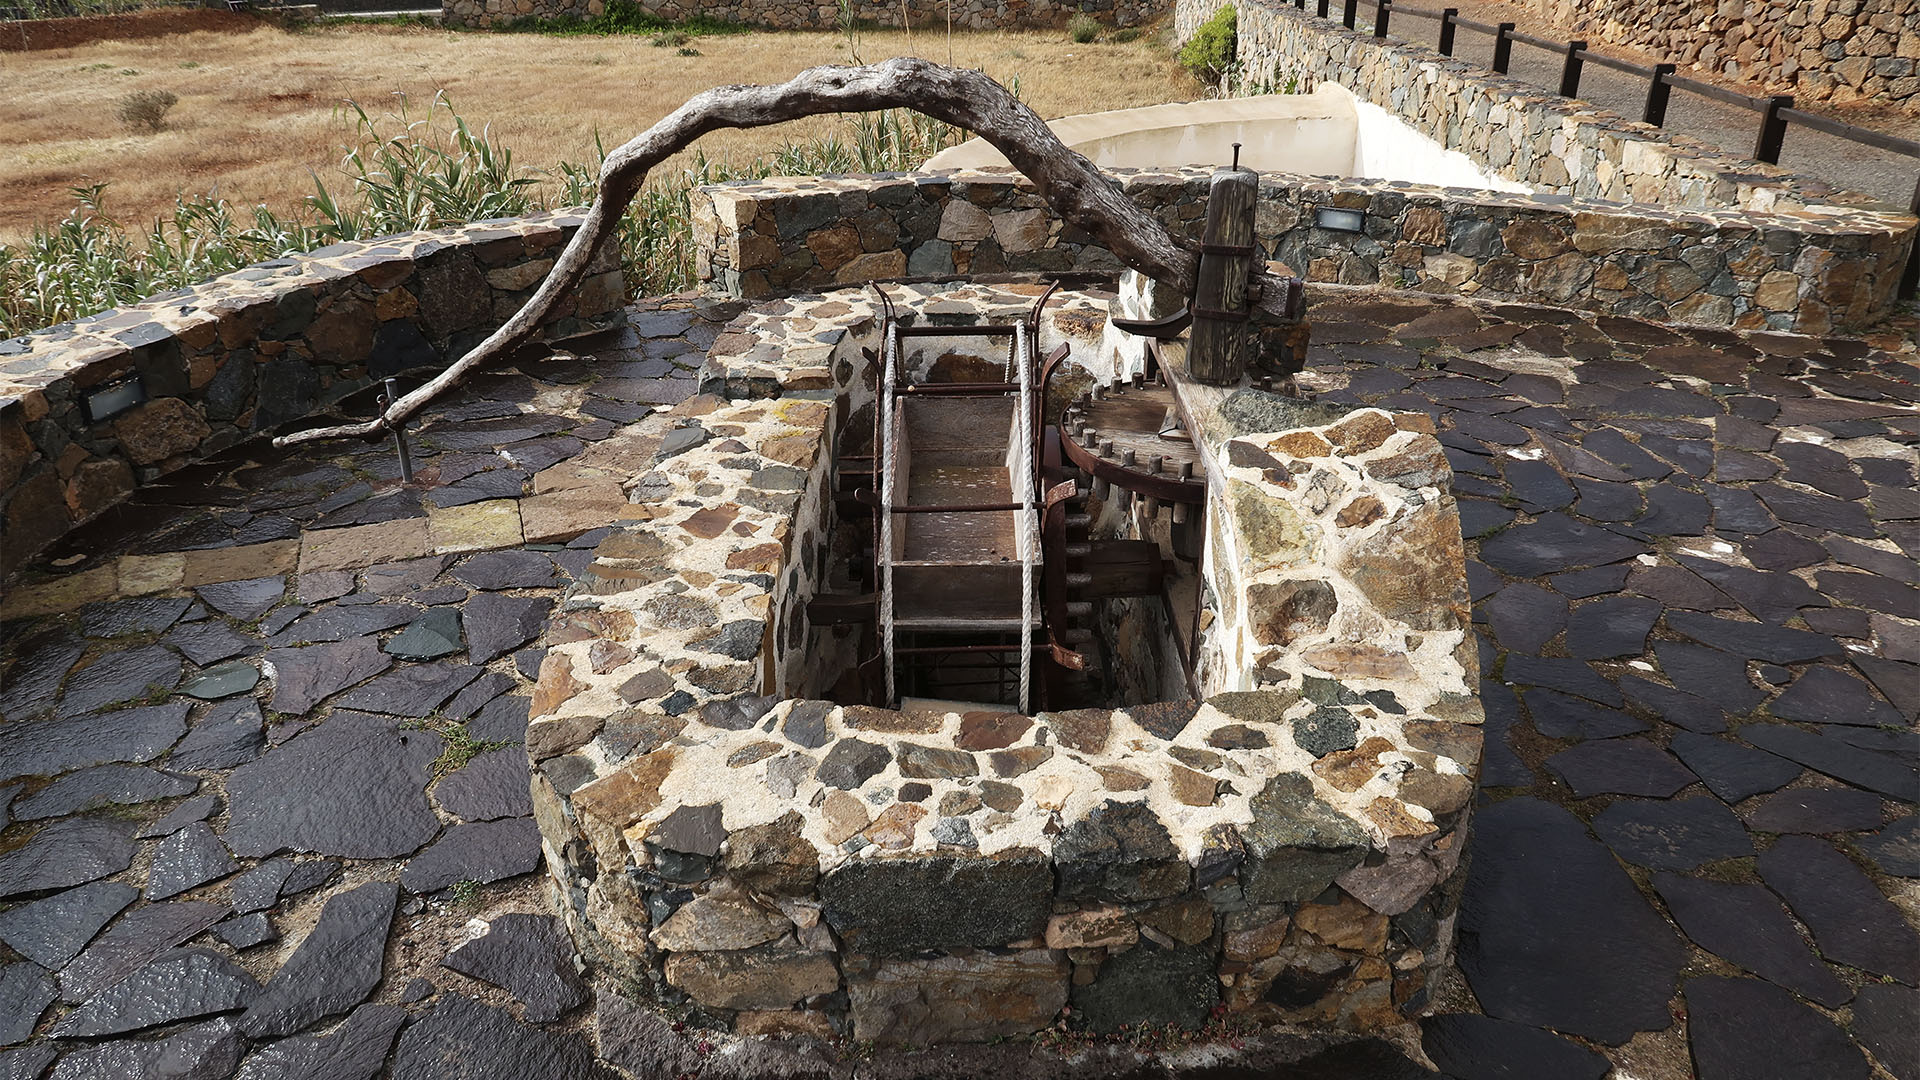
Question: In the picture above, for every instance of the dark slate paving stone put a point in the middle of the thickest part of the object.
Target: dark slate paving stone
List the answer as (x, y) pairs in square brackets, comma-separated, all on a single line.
[(246, 931), (1738, 511), (143, 615), (119, 677), (1898, 681), (477, 695), (1580, 584), (1605, 500), (1524, 616), (306, 676), (1818, 810), (1561, 716), (1839, 759), (353, 786), (1883, 1022), (504, 719), (1537, 484), (484, 851), (1827, 695), (496, 625), (1822, 468), (179, 985), (1782, 550), (1817, 511), (495, 570), (67, 852), (1773, 596), (480, 487), (1730, 770), (280, 618), (1619, 767), (1672, 511), (53, 930), (1618, 450), (1481, 582), (1744, 1029), (1755, 641), (1891, 564), (537, 454), (1473, 1047), (429, 637), (210, 642), (30, 1062), (1718, 676), (223, 681), (25, 992), (355, 1050), (461, 1039), (1739, 466), (1692, 456), (334, 967), (1851, 922), (1478, 517), (397, 578), (492, 785), (1677, 587), (1559, 673), (232, 733), (1499, 765), (1610, 627), (528, 956), (102, 785), (1680, 834), (1745, 925), (207, 1052), (258, 888), (342, 623), (132, 943), (1871, 591), (186, 860), (1555, 542), (244, 600), (1896, 848), (1554, 934), (1676, 707), (40, 663), (412, 691)]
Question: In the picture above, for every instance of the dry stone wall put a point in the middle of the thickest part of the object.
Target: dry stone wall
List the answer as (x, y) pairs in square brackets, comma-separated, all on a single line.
[(1817, 50), (816, 15), (1781, 269), (1287, 850), (252, 352)]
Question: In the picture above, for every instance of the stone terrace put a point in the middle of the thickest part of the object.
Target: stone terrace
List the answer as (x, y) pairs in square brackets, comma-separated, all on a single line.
[(264, 812)]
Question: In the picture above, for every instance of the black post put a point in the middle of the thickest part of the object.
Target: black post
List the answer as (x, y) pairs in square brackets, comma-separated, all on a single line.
[(1655, 112), (1323, 8), (1570, 71), (1773, 128), (1347, 13), (1910, 281), (1446, 30), (1380, 19), (1502, 48)]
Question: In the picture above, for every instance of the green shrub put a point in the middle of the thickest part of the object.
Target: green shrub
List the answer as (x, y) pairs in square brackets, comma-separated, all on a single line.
[(672, 39), (146, 109), (1082, 28), (1209, 53), (1124, 35)]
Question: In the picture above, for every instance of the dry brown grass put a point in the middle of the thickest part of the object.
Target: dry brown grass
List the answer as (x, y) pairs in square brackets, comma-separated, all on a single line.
[(259, 109)]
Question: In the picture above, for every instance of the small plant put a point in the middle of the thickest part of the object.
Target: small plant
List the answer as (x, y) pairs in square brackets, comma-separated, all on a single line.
[(1209, 54), (686, 50), (670, 40), (1124, 35), (465, 893), (189, 65), (1082, 28), (146, 109)]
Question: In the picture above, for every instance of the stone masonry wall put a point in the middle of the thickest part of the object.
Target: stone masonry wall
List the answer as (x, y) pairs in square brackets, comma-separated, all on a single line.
[(251, 352), (818, 15), (1802, 270), (1817, 50), (1287, 851)]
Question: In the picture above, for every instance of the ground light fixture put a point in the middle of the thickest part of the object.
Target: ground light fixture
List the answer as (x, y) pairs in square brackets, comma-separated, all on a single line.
[(113, 399), (1333, 220)]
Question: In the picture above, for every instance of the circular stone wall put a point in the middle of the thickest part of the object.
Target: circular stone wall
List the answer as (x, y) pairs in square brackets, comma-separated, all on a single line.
[(1285, 848)]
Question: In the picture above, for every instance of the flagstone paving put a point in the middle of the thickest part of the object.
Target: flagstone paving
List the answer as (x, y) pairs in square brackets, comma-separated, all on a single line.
[(265, 813)]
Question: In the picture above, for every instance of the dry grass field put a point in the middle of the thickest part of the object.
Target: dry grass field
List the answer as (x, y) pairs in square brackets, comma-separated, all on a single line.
[(258, 109)]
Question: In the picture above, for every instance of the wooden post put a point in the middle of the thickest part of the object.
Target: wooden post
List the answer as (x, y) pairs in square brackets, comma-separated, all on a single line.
[(1222, 332)]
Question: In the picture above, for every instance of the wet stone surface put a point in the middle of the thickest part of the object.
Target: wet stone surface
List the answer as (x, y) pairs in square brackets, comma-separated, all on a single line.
[(1689, 600)]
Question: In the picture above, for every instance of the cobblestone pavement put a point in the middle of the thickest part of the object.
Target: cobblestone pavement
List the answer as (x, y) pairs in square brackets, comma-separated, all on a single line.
[(265, 813)]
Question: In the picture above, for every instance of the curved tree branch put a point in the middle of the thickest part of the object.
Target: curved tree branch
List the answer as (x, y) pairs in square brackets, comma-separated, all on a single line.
[(1077, 190)]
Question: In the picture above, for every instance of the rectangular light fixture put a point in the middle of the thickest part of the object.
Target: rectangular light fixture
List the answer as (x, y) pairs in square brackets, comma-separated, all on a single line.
[(1352, 221), (109, 401)]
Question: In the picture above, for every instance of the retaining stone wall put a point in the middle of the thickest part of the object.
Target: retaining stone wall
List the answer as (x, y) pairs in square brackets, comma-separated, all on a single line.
[(927, 15), (1817, 50), (1288, 848), (252, 352), (1808, 271)]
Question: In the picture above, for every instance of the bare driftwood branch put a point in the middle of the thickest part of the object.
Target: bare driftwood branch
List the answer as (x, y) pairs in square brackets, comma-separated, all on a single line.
[(1078, 191)]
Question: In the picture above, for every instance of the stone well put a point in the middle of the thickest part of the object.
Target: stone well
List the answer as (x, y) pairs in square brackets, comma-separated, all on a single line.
[(1285, 847)]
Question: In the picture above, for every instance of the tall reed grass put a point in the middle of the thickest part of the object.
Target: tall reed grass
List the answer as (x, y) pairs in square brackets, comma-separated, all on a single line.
[(406, 172)]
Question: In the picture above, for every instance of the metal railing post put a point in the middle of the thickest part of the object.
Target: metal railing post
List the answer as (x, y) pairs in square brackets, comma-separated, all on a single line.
[(1380, 19), (1502, 48), (1570, 71), (1773, 129), (1347, 13), (1323, 9), (1446, 30), (1658, 91)]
